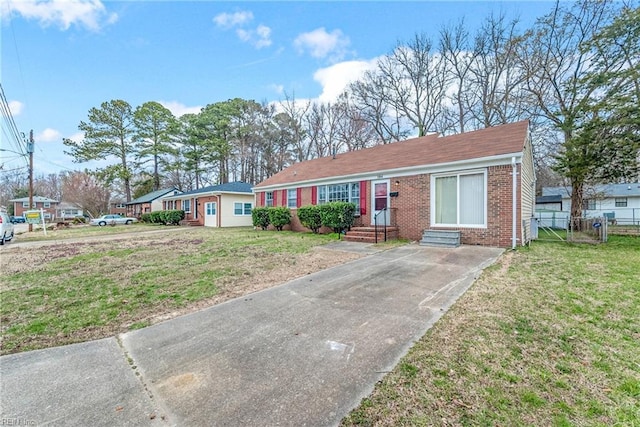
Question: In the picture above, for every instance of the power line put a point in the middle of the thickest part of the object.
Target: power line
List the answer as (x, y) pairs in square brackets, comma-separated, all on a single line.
[(16, 136)]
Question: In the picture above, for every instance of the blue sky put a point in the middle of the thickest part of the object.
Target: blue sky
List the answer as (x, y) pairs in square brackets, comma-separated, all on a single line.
[(62, 57)]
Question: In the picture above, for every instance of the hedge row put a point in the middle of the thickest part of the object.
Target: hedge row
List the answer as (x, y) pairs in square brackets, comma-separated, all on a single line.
[(338, 216), (172, 217), (276, 216)]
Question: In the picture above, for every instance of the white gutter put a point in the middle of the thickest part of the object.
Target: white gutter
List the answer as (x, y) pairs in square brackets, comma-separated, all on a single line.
[(514, 201)]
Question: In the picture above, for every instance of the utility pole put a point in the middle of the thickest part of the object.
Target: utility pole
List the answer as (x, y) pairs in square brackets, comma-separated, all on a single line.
[(30, 151)]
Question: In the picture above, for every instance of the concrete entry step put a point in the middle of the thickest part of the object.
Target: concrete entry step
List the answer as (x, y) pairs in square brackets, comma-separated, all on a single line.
[(441, 238), (368, 234)]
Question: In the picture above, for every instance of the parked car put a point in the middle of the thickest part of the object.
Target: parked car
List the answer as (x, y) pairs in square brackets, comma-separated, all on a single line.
[(18, 219), (6, 228), (112, 220)]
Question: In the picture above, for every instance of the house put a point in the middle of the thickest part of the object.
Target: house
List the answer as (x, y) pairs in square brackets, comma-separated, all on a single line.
[(149, 202), (619, 202), (66, 210), (48, 206), (118, 208), (549, 203), (478, 184), (224, 205)]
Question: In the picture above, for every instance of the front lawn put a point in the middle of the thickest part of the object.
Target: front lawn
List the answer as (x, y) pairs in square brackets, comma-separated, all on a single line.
[(549, 336), (93, 288)]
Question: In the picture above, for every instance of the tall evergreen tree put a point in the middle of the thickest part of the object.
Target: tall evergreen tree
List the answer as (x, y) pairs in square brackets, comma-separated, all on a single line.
[(154, 127), (108, 133)]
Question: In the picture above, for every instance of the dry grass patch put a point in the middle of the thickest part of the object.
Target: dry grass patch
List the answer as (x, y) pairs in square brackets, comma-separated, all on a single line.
[(548, 336), (69, 292)]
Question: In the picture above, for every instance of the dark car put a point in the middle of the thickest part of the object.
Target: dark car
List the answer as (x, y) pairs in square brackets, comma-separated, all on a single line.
[(17, 219)]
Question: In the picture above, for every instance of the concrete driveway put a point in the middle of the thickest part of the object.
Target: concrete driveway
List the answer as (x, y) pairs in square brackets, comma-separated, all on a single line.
[(301, 354)]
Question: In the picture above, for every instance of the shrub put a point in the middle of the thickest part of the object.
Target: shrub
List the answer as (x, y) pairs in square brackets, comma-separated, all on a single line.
[(146, 217), (260, 217), (163, 217), (172, 217), (310, 217), (279, 217), (338, 215)]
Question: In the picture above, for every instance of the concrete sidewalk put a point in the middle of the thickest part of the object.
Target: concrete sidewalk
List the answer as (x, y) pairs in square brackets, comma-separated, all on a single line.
[(301, 354)]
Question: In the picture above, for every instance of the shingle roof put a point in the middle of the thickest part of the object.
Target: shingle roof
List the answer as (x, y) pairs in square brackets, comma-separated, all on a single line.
[(609, 190), (549, 199), (150, 197), (36, 199), (426, 150), (229, 187)]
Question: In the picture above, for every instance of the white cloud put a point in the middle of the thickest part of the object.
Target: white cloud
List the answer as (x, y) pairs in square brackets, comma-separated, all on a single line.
[(259, 38), (16, 107), (178, 109), (90, 14), (49, 135), (321, 44), (336, 78), (229, 20), (279, 89)]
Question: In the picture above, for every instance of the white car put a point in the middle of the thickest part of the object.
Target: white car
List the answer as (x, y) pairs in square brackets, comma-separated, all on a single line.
[(6, 228), (112, 220)]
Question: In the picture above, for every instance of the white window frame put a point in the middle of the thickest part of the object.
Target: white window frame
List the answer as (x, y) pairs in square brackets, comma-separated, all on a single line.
[(242, 208), (351, 190), (621, 202), (268, 199), (25, 205), (292, 201), (186, 202), (458, 175), (47, 204)]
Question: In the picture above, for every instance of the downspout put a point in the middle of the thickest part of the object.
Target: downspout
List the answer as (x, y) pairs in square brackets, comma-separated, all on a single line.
[(514, 200)]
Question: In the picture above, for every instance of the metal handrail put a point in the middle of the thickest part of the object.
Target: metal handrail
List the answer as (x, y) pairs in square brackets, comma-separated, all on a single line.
[(375, 224)]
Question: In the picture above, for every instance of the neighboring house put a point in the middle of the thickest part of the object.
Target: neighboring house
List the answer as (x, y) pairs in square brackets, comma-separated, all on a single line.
[(549, 203), (462, 182), (149, 202), (48, 206), (119, 208), (615, 201), (66, 210), (224, 205)]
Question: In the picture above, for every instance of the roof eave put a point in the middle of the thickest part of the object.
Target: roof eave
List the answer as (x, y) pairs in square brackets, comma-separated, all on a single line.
[(480, 162)]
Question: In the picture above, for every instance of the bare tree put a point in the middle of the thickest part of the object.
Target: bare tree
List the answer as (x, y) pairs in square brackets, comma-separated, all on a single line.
[(554, 65), (460, 57), (84, 190), (496, 88), (354, 132), (48, 186), (372, 101), (416, 79), (296, 111)]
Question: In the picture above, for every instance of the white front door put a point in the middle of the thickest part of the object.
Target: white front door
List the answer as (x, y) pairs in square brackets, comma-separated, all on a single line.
[(210, 214), (380, 202)]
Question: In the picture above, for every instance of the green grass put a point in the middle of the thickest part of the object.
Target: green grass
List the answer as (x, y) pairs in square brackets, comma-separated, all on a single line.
[(63, 293), (550, 335)]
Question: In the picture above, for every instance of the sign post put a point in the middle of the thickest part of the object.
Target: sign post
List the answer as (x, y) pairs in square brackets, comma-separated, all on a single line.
[(36, 217)]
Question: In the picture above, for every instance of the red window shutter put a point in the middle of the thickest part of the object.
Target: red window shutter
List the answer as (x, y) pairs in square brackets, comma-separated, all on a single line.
[(262, 197), (274, 198), (298, 197), (314, 195), (284, 197), (363, 197)]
